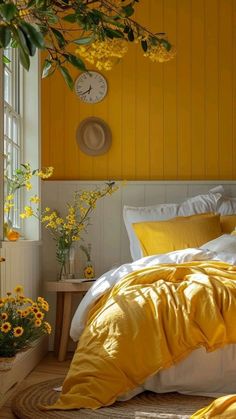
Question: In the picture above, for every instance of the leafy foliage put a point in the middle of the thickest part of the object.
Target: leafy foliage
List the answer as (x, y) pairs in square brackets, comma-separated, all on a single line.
[(57, 26)]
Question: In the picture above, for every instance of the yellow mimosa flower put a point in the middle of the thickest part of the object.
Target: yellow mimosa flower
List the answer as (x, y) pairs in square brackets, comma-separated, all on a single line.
[(35, 199)]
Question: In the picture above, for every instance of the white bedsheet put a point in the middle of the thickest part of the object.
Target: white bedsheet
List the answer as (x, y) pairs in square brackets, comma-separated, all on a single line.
[(202, 373)]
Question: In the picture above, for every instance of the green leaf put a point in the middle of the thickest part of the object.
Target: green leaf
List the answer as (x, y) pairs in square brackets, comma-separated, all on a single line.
[(113, 33), (23, 41), (46, 68), (76, 62), (34, 34), (59, 37), (8, 11), (5, 59), (131, 35), (5, 36), (128, 10), (70, 18), (144, 45), (165, 44), (83, 41), (24, 58), (30, 46), (67, 77)]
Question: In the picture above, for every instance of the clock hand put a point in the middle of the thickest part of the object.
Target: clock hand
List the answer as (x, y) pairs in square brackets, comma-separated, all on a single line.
[(87, 91)]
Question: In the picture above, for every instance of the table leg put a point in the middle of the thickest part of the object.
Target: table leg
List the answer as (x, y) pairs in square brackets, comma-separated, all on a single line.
[(65, 326), (58, 322)]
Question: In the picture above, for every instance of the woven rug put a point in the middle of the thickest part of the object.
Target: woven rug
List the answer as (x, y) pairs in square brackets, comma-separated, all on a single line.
[(146, 405)]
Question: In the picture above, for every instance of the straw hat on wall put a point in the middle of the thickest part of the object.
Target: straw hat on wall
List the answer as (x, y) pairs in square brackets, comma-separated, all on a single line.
[(94, 136)]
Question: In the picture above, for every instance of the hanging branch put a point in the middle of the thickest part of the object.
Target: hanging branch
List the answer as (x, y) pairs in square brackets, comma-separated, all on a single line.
[(85, 26)]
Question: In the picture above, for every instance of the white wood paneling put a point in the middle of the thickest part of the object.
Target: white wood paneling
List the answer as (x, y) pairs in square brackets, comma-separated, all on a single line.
[(107, 232), (22, 266)]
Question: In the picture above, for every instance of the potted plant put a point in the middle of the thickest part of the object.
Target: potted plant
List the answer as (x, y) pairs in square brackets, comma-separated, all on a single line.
[(22, 321)]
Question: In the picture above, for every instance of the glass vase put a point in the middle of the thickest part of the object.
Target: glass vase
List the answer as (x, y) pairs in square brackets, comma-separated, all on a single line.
[(67, 266)]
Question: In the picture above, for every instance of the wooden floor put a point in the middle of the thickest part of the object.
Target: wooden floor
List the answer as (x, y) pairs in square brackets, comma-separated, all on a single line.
[(48, 368)]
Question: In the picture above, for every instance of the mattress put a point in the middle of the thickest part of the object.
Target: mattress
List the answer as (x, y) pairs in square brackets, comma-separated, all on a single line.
[(202, 373)]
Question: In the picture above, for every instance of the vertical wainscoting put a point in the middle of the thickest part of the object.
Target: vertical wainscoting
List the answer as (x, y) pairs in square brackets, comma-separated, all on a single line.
[(110, 246), (22, 266)]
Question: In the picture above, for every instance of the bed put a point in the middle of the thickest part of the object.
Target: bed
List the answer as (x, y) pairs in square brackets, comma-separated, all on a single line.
[(202, 373)]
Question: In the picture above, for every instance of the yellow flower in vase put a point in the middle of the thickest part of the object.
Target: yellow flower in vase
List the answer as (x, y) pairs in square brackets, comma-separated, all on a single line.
[(89, 272)]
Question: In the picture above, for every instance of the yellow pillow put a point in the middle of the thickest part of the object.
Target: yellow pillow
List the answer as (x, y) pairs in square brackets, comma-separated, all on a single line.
[(177, 233), (228, 223)]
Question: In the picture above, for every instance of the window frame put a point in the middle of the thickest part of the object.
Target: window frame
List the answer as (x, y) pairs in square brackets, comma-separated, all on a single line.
[(13, 111)]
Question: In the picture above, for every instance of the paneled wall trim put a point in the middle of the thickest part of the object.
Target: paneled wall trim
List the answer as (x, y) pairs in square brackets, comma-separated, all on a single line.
[(169, 121)]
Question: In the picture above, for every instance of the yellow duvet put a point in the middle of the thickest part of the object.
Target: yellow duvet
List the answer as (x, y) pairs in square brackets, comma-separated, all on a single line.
[(150, 320)]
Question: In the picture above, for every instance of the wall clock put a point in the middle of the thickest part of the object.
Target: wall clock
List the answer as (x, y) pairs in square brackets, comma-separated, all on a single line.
[(91, 87)]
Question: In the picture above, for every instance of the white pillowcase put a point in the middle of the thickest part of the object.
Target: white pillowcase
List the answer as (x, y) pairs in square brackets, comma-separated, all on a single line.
[(225, 243), (196, 205), (226, 206)]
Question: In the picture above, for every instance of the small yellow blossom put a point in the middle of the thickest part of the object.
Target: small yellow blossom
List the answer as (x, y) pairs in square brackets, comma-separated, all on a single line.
[(46, 173), (35, 199), (9, 197), (28, 185), (38, 322)]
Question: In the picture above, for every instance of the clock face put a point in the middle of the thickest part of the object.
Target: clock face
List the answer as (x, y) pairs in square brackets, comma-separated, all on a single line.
[(91, 87)]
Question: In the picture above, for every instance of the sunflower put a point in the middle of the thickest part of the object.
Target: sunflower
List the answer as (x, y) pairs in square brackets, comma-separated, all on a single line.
[(48, 327), (89, 272), (39, 315), (4, 316), (37, 323), (6, 327), (18, 331), (19, 289)]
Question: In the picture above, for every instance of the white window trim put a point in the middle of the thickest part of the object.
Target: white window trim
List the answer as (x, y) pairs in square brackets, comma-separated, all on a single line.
[(1, 148), (32, 137), (31, 134)]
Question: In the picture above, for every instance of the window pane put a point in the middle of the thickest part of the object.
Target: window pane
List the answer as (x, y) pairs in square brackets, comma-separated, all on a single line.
[(7, 86), (12, 124)]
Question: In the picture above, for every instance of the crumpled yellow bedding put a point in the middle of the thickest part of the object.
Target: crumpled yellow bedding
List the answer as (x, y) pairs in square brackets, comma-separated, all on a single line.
[(150, 320)]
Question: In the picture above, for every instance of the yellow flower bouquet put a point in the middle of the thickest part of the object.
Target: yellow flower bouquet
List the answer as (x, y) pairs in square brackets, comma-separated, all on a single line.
[(65, 231), (22, 321)]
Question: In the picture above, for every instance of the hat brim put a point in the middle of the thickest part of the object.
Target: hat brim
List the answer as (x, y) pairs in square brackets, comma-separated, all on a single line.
[(84, 143)]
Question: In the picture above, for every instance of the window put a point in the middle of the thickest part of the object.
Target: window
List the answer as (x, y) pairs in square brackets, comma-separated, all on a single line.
[(13, 144)]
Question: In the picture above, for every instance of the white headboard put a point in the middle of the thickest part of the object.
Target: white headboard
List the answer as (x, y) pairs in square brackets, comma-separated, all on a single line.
[(107, 233)]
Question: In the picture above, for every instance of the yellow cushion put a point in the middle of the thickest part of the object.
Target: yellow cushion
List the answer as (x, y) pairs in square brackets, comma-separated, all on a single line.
[(177, 233), (228, 223)]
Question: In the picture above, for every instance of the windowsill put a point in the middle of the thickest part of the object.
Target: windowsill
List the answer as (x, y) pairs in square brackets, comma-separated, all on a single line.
[(21, 243)]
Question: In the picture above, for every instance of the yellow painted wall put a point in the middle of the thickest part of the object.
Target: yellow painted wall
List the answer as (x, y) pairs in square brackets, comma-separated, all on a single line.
[(169, 121)]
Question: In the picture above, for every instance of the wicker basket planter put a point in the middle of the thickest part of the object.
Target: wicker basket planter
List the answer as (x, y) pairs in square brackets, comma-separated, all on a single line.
[(6, 363)]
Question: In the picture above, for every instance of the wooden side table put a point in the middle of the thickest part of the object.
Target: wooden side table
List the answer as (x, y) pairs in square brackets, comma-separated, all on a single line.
[(64, 290)]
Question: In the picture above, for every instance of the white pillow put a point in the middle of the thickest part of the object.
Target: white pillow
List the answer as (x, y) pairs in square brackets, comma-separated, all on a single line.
[(226, 205), (196, 205), (225, 243)]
